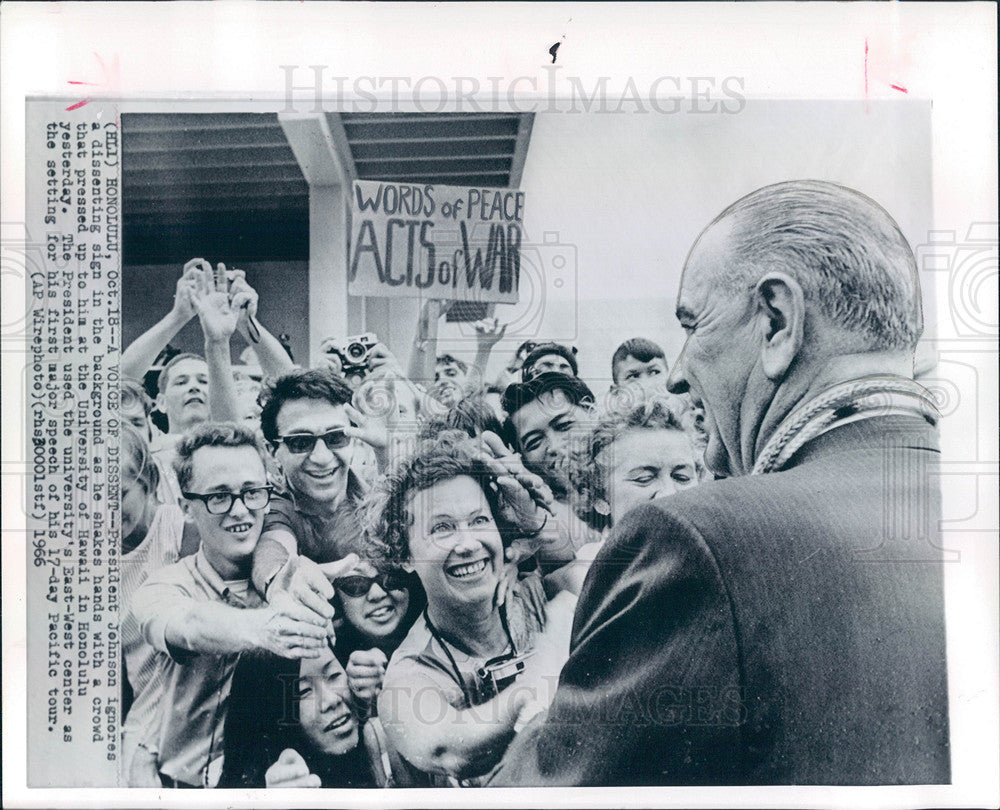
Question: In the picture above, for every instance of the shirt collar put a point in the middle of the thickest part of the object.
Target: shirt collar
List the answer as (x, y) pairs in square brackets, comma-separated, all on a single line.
[(216, 582), (354, 491), (208, 573)]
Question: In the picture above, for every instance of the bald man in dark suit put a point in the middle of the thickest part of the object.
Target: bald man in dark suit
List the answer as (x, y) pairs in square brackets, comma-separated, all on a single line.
[(783, 625)]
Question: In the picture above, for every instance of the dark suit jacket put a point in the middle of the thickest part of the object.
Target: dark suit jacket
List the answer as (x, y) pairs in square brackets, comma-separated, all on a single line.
[(786, 628)]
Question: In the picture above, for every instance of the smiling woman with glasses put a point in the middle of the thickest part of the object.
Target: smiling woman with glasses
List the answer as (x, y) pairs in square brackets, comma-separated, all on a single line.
[(446, 516)]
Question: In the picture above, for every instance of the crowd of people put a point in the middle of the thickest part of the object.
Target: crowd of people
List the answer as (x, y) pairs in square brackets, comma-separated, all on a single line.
[(388, 578)]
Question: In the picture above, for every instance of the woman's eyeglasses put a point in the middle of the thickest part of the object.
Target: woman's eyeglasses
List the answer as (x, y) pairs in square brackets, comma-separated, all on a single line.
[(299, 443), (219, 503), (358, 585)]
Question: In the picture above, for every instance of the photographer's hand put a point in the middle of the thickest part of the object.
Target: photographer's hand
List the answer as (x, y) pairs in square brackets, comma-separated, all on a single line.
[(328, 357)]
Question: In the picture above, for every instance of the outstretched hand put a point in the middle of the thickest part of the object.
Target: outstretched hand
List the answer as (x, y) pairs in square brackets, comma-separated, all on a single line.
[(184, 294), (243, 298), (216, 313), (372, 430), (489, 331), (526, 499)]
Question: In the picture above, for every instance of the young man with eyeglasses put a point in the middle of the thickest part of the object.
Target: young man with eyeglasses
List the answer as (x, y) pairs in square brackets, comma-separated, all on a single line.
[(202, 612)]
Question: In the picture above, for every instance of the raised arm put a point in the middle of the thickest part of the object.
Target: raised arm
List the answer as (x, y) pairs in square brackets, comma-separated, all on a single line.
[(271, 355), (424, 354), (141, 352), (218, 322), (489, 332)]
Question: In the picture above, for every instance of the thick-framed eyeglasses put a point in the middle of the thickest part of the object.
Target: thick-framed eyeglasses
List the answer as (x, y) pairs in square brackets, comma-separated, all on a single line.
[(219, 503), (357, 585), (299, 443)]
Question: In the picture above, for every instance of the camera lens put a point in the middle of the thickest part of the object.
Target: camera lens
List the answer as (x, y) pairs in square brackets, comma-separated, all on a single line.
[(356, 351)]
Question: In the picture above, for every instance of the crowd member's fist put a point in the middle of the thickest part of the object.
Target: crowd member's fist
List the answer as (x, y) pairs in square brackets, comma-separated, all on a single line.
[(290, 770), (365, 673)]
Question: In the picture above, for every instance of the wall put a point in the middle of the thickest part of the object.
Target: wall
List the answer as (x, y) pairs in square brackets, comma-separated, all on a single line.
[(148, 291), (614, 203), (623, 197)]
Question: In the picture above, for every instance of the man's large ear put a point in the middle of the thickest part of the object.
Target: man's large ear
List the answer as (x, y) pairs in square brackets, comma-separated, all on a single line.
[(783, 305)]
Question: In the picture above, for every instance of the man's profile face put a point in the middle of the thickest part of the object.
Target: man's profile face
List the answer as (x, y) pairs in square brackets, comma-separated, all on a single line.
[(229, 539), (185, 396), (321, 473), (719, 354), (545, 427)]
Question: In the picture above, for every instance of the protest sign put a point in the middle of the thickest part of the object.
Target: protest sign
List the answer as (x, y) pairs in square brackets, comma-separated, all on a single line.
[(431, 241)]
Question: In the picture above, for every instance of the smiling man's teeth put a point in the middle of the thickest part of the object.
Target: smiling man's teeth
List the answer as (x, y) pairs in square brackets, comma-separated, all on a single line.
[(468, 570), (339, 723), (239, 528), (381, 613)]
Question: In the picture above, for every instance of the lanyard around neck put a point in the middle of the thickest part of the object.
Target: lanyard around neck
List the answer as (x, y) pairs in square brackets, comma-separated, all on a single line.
[(436, 635)]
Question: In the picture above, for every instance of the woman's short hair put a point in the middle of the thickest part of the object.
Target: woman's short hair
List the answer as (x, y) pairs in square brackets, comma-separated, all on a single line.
[(658, 413), (137, 460), (387, 514)]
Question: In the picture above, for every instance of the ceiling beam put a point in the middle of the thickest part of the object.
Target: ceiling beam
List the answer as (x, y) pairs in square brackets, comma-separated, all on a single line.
[(314, 148), (342, 145), (521, 149)]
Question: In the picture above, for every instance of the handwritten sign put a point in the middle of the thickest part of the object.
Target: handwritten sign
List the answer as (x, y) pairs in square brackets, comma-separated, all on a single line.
[(430, 241)]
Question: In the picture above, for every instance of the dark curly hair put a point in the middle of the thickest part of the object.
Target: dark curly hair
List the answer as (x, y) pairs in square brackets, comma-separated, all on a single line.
[(320, 384), (387, 516), (472, 415)]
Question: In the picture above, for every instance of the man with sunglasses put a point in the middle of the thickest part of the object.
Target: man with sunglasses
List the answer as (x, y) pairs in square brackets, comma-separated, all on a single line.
[(313, 522), (202, 612)]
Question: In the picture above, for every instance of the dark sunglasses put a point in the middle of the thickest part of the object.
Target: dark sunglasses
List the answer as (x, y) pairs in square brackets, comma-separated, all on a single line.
[(299, 443), (358, 585)]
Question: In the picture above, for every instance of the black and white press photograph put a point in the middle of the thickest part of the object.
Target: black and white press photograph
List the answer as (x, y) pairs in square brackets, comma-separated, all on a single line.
[(530, 449), (560, 427)]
